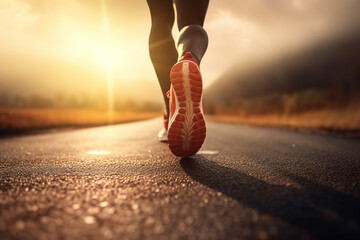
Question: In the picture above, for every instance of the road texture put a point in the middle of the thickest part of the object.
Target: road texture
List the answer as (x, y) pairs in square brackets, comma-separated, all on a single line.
[(118, 182)]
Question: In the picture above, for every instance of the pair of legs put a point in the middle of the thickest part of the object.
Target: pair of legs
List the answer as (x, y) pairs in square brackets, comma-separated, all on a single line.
[(164, 52)]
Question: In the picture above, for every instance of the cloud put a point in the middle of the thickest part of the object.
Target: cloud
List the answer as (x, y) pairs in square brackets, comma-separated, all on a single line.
[(264, 12)]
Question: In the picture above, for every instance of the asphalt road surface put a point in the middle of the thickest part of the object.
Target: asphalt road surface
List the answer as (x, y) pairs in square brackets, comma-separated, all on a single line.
[(118, 182)]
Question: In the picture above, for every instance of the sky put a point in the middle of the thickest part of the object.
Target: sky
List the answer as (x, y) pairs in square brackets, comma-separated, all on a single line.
[(73, 46)]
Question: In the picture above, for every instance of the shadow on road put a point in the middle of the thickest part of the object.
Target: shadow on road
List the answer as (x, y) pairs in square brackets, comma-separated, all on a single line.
[(319, 210)]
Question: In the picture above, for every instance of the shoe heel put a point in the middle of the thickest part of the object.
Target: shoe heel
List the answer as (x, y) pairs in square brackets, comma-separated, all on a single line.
[(187, 131)]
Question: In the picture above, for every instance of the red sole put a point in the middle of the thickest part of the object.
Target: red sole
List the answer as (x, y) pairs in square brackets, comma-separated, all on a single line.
[(187, 131)]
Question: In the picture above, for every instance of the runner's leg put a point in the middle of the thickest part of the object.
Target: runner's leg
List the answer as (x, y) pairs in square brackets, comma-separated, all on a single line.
[(187, 128), (190, 18), (162, 49)]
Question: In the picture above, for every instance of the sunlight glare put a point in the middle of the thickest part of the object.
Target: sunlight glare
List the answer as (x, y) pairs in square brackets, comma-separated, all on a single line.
[(98, 152), (107, 55)]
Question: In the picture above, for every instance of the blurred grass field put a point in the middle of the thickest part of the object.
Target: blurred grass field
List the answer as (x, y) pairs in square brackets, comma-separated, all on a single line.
[(22, 120), (345, 121), (337, 121)]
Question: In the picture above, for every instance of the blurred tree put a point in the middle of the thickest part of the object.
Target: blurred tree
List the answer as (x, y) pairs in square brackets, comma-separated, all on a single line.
[(4, 100)]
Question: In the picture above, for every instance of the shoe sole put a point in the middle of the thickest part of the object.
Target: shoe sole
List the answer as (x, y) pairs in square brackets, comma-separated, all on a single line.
[(187, 130)]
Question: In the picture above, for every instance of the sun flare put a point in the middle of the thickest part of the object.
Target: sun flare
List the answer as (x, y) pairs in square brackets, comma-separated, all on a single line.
[(105, 54), (98, 152)]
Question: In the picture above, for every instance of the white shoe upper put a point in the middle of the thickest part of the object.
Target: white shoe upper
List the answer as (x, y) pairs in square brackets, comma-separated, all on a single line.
[(162, 135)]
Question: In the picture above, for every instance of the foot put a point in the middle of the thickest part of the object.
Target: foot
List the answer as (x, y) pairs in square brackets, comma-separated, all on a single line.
[(163, 133), (187, 131)]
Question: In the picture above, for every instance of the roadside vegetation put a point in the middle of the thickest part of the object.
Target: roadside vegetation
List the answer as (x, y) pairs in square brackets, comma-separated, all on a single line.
[(20, 120)]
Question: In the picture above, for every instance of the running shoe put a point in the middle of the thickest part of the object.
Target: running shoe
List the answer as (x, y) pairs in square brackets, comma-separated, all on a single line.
[(187, 130), (163, 133)]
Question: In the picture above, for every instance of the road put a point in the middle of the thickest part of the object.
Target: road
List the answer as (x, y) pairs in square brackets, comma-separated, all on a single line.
[(118, 182)]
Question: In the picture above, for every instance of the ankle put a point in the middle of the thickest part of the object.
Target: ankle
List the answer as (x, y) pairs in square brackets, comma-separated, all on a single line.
[(189, 56)]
